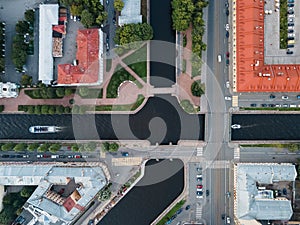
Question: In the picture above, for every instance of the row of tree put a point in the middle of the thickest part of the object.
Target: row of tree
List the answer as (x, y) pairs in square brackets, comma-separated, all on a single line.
[(91, 11), (20, 48), (49, 92), (110, 146), (45, 109), (129, 33), (85, 147), (20, 147), (186, 12)]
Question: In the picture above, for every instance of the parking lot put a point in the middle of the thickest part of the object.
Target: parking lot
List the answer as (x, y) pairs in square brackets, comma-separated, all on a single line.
[(11, 12), (273, 54)]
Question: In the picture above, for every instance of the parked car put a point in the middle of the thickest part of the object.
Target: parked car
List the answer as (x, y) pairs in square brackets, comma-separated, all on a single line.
[(228, 220), (291, 12), (199, 186), (223, 216), (226, 4), (290, 5), (5, 156), (285, 105), (199, 179), (77, 156), (253, 105), (227, 54), (39, 156), (125, 154), (264, 105), (272, 96), (291, 24), (199, 169), (227, 84), (284, 97), (290, 31), (227, 34), (228, 98), (207, 192), (271, 105), (227, 62), (187, 207), (291, 38), (289, 52), (290, 46), (227, 27), (227, 12), (284, 191)]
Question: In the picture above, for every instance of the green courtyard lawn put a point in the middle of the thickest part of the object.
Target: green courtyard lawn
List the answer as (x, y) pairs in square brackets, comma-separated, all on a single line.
[(119, 76), (137, 61)]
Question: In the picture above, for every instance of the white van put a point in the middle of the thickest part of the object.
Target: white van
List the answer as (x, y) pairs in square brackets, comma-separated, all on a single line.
[(293, 106), (219, 58)]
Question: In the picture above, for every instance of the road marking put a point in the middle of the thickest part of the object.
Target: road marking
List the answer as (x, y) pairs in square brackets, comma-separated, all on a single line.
[(199, 151), (198, 212), (236, 153)]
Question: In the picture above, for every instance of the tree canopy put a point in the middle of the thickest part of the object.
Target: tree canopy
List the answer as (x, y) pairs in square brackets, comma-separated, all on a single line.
[(133, 32), (118, 5), (182, 14), (87, 18)]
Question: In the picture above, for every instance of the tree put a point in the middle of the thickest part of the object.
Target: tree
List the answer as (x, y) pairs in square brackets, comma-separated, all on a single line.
[(87, 19), (101, 18), (22, 27), (37, 109), (26, 80), (33, 146), (7, 146), (60, 92), (196, 88), (59, 109), (43, 147), (113, 147), (293, 147), (54, 147), (44, 109), (83, 91), (105, 146), (76, 10), (20, 147), (51, 92), (29, 16), (68, 91), (129, 33), (75, 148), (118, 5), (182, 14), (26, 192)]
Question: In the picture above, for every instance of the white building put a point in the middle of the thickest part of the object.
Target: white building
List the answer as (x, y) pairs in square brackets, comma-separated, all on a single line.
[(8, 90), (62, 193), (48, 17), (131, 13), (252, 203)]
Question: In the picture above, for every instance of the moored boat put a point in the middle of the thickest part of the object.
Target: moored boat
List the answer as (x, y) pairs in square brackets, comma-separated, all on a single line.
[(236, 126), (43, 129)]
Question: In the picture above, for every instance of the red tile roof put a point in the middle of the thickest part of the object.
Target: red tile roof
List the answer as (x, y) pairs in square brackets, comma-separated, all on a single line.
[(252, 74), (69, 204), (59, 28), (87, 56)]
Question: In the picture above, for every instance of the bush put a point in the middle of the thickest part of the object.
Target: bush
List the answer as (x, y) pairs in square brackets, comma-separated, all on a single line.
[(197, 89), (43, 147), (7, 147), (60, 92), (20, 147), (68, 91), (187, 106), (54, 147)]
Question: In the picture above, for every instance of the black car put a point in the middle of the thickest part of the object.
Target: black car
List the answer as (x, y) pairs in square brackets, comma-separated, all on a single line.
[(290, 24), (291, 12), (284, 191), (271, 105), (253, 105), (290, 31), (187, 207), (290, 5), (227, 34), (227, 62), (223, 216), (226, 4), (207, 192), (227, 12), (272, 96), (5, 156), (264, 105), (290, 46), (289, 52)]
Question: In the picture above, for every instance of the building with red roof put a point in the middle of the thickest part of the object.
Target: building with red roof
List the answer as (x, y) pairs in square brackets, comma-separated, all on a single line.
[(85, 69), (250, 72)]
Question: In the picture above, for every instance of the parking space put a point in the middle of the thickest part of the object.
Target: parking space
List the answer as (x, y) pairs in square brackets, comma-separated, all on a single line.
[(273, 54), (272, 100)]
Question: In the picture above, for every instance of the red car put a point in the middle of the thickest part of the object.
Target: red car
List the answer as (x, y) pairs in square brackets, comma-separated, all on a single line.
[(77, 156), (227, 54), (199, 186)]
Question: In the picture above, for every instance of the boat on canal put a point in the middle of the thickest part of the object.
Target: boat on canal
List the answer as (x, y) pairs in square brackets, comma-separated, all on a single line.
[(236, 126), (44, 129)]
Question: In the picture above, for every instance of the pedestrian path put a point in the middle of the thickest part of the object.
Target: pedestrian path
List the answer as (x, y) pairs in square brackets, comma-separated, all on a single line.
[(198, 212)]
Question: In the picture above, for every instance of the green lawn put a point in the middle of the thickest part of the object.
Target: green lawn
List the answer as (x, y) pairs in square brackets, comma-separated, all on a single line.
[(129, 107), (108, 64), (117, 78), (283, 24), (94, 93), (171, 213), (137, 61)]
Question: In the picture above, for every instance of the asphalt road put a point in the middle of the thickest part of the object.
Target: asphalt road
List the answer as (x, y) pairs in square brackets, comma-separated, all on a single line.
[(218, 117)]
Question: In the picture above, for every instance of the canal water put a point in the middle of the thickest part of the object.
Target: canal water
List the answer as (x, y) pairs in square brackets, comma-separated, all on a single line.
[(266, 127), (162, 183), (162, 121), (162, 49)]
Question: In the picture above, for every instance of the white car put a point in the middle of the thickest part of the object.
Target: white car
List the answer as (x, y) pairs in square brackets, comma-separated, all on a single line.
[(291, 35), (228, 220), (290, 16), (198, 196), (227, 27), (227, 84), (228, 98), (285, 97), (39, 156)]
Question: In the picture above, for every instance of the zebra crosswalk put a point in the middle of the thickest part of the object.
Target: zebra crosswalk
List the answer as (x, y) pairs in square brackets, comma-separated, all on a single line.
[(236, 153), (198, 212), (199, 151)]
